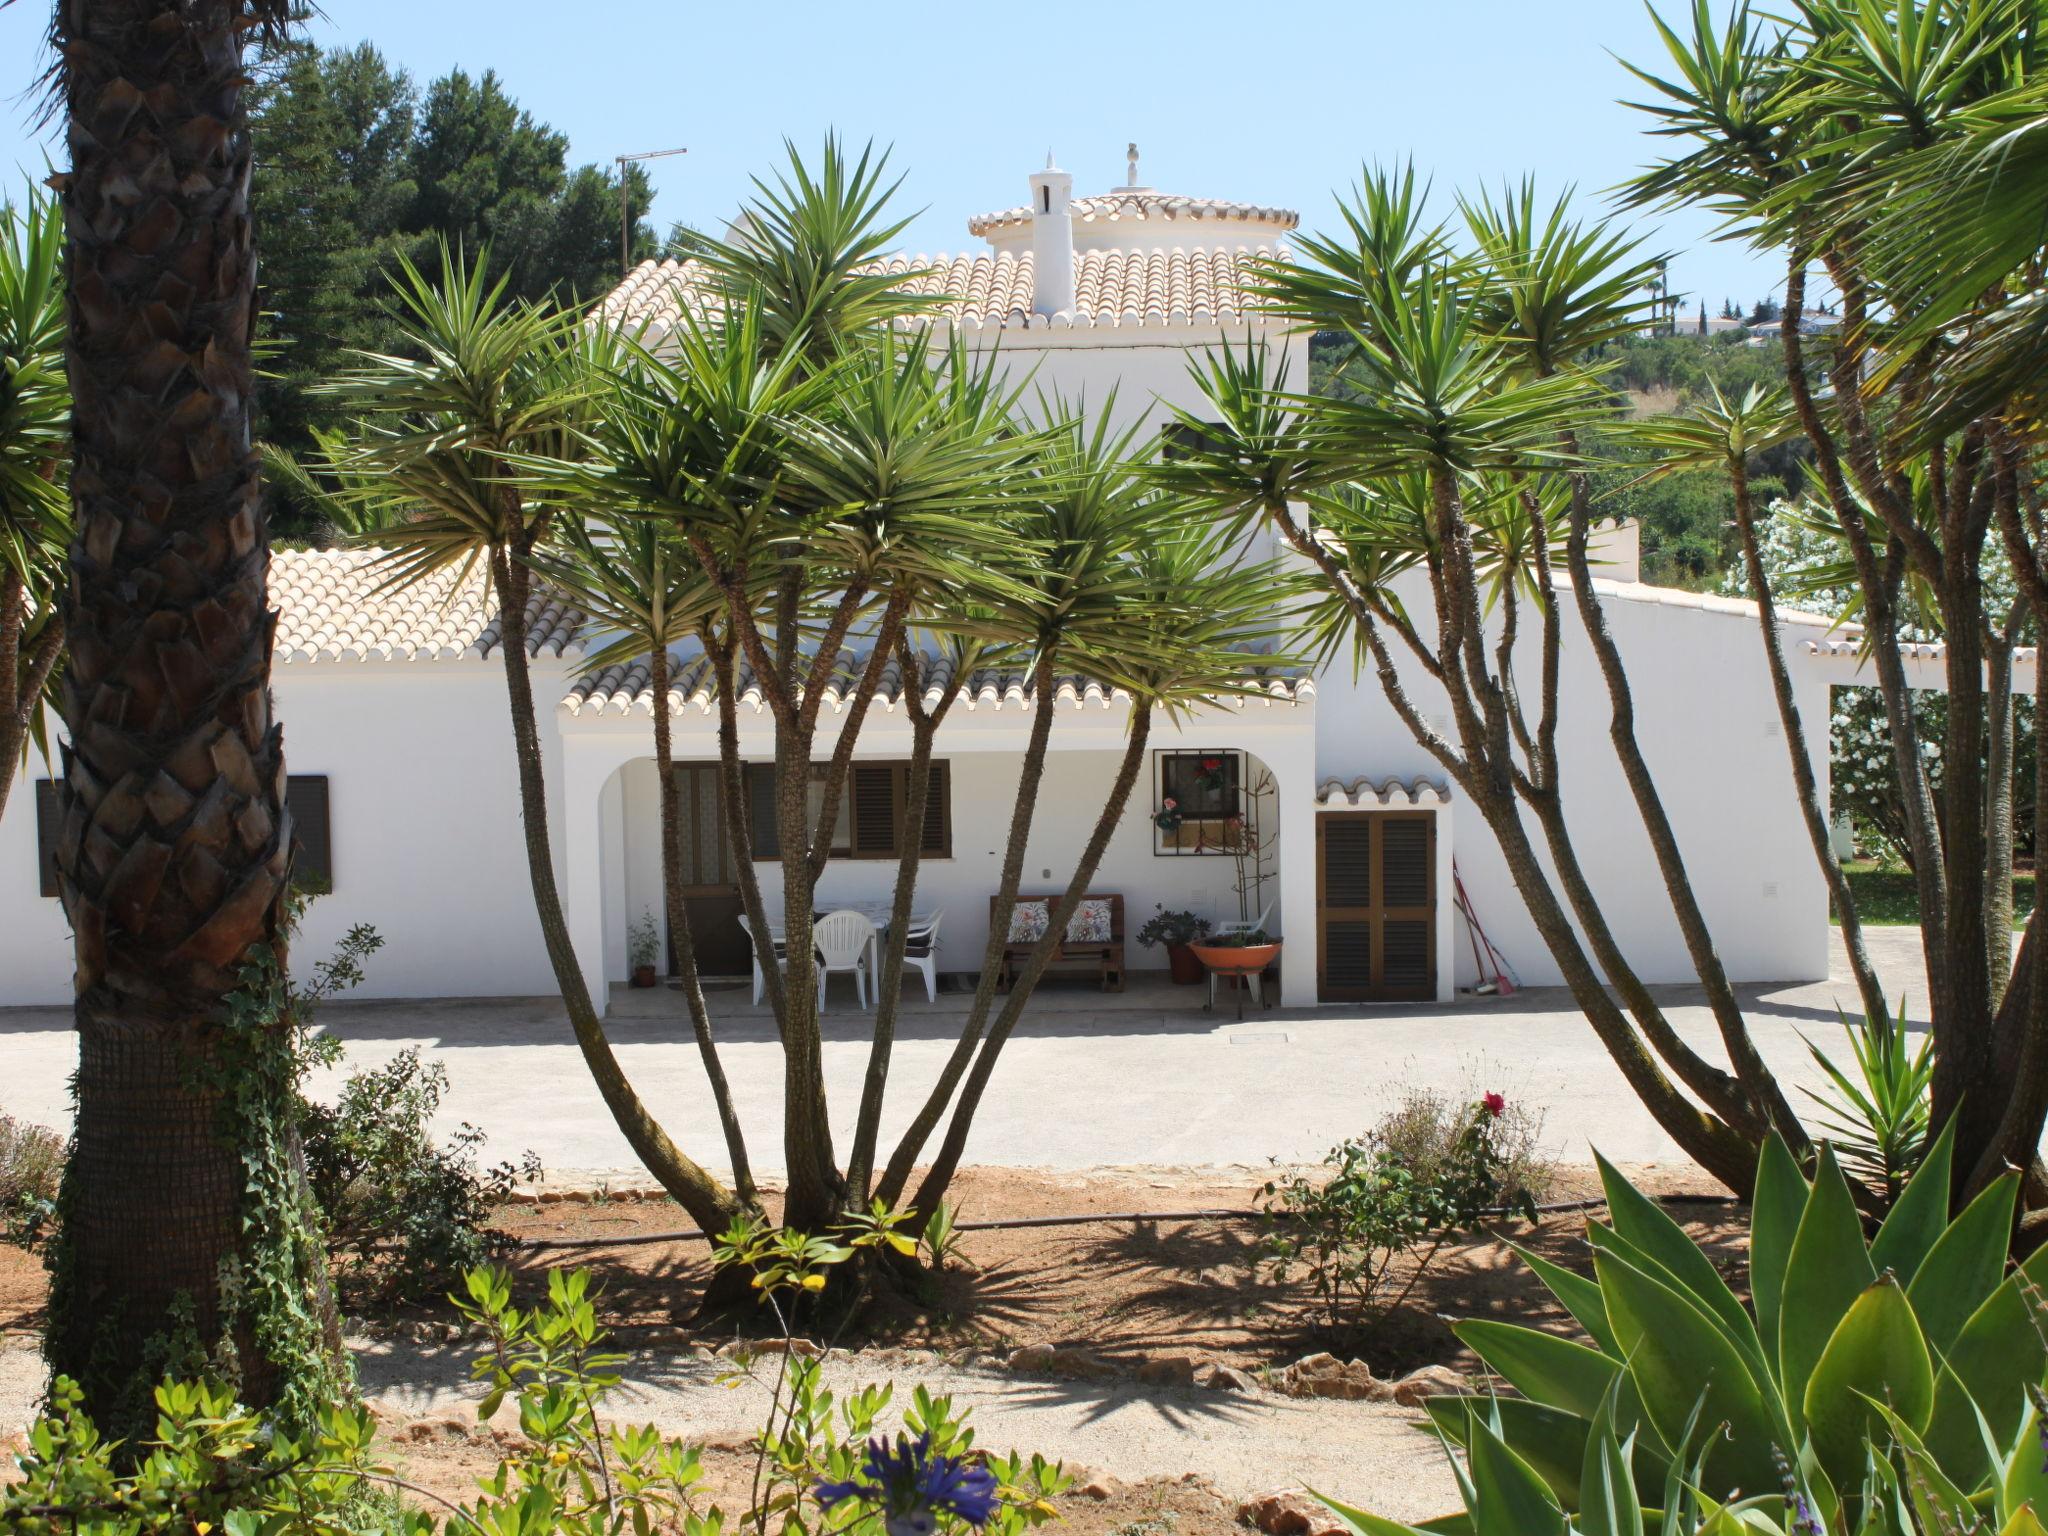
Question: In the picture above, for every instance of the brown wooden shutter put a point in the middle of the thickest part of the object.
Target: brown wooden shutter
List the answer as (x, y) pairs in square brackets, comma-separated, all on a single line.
[(1376, 904), (48, 816), (938, 812), (761, 810), (305, 796), (875, 789), (1343, 907)]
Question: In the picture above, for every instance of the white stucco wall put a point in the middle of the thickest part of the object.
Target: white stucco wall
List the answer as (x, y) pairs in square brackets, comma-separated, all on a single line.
[(428, 845), (1709, 729)]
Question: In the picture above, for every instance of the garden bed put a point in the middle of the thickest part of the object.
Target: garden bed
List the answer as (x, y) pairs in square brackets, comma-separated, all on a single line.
[(1126, 1291)]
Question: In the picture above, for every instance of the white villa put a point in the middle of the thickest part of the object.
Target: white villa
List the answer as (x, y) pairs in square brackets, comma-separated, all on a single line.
[(403, 780)]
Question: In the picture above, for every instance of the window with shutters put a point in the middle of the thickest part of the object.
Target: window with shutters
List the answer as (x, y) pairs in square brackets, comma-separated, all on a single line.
[(873, 806), (305, 796), (47, 814)]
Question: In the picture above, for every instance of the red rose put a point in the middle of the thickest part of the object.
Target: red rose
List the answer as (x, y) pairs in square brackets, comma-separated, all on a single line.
[(1494, 1105), (1211, 764)]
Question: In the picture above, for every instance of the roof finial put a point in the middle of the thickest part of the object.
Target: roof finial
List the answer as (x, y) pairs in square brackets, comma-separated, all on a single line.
[(1048, 158), (1131, 155)]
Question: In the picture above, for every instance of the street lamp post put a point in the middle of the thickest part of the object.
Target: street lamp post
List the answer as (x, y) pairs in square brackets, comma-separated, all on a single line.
[(625, 211)]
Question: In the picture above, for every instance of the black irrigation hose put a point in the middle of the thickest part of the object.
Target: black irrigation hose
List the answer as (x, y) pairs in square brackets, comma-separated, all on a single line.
[(1016, 1223)]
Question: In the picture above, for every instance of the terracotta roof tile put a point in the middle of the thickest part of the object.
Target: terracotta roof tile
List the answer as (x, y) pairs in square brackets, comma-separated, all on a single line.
[(1112, 288), (627, 687), (333, 605)]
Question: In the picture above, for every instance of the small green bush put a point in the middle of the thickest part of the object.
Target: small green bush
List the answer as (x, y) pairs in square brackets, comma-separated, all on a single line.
[(405, 1213), (1366, 1226), (31, 1161)]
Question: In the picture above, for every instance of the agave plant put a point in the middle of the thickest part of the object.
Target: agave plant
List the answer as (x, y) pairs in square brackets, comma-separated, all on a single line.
[(1881, 1115), (1852, 1360)]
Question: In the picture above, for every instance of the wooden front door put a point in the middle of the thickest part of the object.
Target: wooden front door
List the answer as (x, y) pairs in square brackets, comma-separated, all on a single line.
[(1375, 906), (711, 892)]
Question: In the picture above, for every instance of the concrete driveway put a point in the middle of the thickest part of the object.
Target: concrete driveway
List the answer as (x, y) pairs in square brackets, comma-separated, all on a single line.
[(1152, 1080)]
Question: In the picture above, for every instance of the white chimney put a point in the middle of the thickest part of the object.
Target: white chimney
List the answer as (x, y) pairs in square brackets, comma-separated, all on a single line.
[(1052, 240)]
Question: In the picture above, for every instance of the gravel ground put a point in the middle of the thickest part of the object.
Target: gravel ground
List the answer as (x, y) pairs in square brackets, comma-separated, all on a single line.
[(1246, 1444)]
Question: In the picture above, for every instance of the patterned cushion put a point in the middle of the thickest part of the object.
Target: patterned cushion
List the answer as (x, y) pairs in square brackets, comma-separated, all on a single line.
[(1028, 921), (1089, 924)]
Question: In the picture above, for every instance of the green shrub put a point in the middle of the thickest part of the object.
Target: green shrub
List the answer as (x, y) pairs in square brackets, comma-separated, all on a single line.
[(1367, 1225), (31, 1161), (1860, 1373), (405, 1213), (818, 1464)]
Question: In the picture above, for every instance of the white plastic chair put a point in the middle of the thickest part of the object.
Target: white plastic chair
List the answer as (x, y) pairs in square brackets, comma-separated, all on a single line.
[(781, 956), (921, 949), (844, 941)]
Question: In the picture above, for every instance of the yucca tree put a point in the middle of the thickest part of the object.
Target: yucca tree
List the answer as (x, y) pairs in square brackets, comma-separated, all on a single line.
[(485, 384), (1867, 139), (824, 504), (35, 453), (1079, 520), (183, 1200), (638, 583), (1195, 619), (1454, 455)]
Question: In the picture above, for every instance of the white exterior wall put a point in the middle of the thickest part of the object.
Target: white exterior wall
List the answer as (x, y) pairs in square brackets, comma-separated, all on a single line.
[(425, 823), (1708, 727)]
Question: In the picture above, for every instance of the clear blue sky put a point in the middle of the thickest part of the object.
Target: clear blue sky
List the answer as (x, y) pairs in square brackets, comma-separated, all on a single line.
[(1272, 103)]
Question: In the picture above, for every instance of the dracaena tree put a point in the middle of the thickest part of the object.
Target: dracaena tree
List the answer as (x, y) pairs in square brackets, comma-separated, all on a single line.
[(866, 499), (1897, 150), (1457, 456), (484, 384), (35, 452)]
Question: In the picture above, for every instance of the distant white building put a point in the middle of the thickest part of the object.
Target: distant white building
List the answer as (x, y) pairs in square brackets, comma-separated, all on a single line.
[(395, 723)]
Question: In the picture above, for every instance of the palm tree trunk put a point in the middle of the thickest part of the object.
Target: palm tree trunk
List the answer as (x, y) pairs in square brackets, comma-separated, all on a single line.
[(939, 1177), (174, 849), (1811, 809), (896, 1176), (678, 914), (709, 1203), (1998, 829)]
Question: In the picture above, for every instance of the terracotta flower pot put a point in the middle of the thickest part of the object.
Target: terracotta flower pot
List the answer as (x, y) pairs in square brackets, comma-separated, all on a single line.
[(1183, 964), (643, 975)]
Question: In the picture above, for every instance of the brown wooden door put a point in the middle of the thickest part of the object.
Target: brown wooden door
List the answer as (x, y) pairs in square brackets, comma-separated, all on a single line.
[(1375, 906), (711, 892)]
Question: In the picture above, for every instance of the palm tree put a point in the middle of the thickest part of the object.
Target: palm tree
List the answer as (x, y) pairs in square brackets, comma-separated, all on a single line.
[(35, 451), (183, 1234), (488, 383)]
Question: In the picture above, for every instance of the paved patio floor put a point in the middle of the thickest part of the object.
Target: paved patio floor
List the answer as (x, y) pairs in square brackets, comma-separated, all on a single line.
[(1145, 1078)]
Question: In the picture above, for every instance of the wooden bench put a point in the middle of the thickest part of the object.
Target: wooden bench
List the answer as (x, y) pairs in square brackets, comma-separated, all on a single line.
[(1108, 959)]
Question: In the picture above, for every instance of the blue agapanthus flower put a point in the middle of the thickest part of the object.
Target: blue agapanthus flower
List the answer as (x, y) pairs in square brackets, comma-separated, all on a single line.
[(913, 1485)]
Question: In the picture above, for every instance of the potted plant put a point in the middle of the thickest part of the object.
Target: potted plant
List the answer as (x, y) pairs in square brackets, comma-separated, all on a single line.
[(643, 948), (1178, 931), (1244, 953)]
